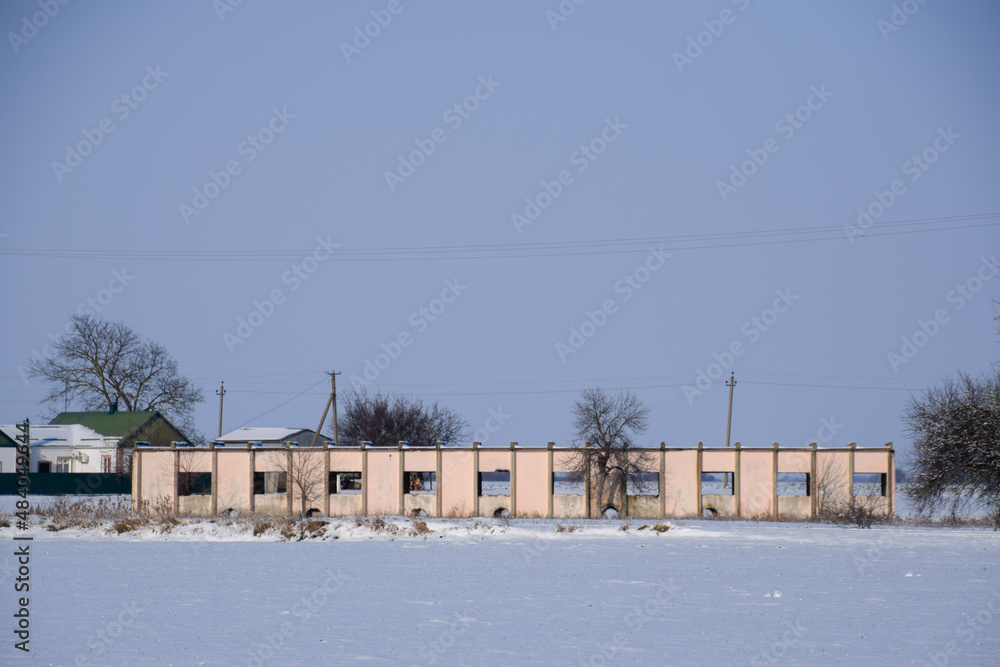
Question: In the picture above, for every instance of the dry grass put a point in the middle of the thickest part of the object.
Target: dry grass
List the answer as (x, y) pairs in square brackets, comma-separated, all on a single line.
[(566, 529)]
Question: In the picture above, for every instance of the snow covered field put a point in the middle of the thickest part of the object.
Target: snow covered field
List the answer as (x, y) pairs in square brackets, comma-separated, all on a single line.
[(703, 592)]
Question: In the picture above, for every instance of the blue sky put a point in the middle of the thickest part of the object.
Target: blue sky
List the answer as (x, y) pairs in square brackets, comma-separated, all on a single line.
[(509, 207)]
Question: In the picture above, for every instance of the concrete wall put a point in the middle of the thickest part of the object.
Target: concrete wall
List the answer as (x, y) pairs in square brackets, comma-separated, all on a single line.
[(753, 491)]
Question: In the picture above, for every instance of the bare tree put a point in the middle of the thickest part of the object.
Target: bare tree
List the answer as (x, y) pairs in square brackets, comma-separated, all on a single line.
[(98, 363), (386, 419), (304, 470), (830, 488), (956, 459), (609, 423)]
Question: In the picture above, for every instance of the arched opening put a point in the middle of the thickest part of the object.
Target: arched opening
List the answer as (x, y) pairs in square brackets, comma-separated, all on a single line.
[(418, 514), (610, 512), (709, 513), (501, 513), (312, 511)]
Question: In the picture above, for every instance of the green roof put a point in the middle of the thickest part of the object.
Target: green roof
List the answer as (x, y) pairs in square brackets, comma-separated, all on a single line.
[(120, 424), (6, 440)]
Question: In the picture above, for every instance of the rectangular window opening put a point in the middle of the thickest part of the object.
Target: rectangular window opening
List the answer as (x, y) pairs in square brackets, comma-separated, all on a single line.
[(420, 482), (62, 463), (717, 483), (345, 482), (496, 483), (794, 484), (643, 484), (194, 484), (270, 482), (870, 484), (106, 463), (568, 483)]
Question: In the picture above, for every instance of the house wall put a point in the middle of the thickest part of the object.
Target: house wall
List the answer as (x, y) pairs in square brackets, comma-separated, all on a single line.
[(50, 453), (532, 494)]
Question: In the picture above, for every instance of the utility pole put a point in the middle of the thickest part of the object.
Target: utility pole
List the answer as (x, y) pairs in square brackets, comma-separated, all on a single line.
[(731, 383), (221, 391), (330, 401)]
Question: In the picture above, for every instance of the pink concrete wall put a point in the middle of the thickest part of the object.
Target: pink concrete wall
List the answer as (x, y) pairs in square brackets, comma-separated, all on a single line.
[(156, 482), (458, 496), (455, 494), (718, 460), (383, 481), (870, 462), (794, 461), (233, 483), (681, 482), (756, 483), (532, 483)]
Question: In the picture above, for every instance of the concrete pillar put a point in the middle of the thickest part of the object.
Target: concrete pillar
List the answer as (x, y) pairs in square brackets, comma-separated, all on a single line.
[(475, 478), (550, 484), (326, 478), (513, 479)]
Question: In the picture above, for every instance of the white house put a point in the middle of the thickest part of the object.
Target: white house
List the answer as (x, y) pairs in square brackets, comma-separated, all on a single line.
[(65, 448)]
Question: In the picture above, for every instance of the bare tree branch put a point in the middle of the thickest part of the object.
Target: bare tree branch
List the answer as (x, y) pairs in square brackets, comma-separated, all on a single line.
[(386, 419), (99, 362)]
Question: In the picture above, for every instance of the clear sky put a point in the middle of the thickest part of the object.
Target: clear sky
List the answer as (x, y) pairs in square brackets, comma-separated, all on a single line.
[(510, 202)]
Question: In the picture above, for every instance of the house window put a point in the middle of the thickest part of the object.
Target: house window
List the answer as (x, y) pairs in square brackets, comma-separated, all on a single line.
[(106, 463), (62, 463), (194, 484), (270, 482), (345, 482), (494, 483), (420, 482)]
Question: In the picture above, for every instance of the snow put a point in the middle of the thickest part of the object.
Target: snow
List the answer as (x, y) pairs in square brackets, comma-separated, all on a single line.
[(509, 593)]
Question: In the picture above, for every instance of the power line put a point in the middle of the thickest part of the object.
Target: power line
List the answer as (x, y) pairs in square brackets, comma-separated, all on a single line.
[(524, 250)]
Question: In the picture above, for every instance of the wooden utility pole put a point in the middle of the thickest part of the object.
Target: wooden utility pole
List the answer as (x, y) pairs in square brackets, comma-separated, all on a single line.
[(221, 391), (330, 401), (731, 383)]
